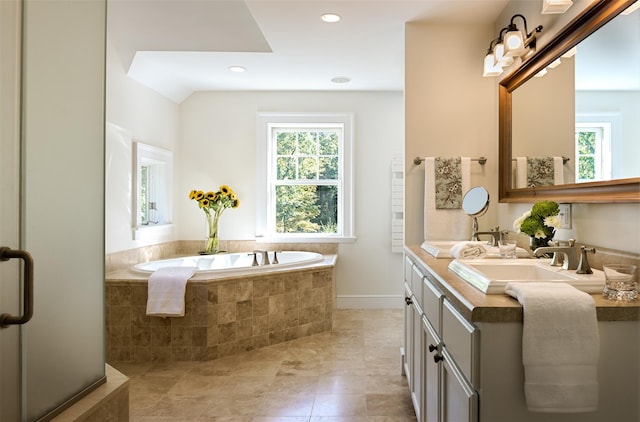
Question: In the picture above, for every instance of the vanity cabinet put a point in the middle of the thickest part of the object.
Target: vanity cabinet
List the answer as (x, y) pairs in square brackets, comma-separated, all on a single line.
[(439, 359), (463, 352)]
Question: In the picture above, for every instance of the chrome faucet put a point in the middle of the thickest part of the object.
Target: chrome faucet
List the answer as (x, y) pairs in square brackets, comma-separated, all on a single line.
[(265, 257), (583, 266), (496, 236), (570, 253)]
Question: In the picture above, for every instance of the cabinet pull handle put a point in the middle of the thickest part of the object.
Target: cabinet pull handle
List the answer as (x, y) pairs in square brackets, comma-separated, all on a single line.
[(432, 348), (438, 358), (27, 306), (408, 300)]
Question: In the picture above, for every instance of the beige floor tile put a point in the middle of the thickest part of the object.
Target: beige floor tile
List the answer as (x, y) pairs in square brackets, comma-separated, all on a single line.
[(339, 405), (294, 405), (389, 405), (351, 374)]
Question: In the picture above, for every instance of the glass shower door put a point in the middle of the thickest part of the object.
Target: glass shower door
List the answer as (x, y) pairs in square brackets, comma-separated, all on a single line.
[(53, 206)]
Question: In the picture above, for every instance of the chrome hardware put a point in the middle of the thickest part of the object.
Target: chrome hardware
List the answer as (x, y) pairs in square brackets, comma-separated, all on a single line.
[(432, 348), (437, 358), (570, 261), (496, 236), (583, 266), (408, 301), (255, 259), (27, 306)]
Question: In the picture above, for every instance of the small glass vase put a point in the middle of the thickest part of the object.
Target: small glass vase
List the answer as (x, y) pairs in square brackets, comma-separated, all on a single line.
[(212, 246)]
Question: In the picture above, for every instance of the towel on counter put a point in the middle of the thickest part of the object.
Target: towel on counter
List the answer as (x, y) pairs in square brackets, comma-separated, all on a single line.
[(468, 250), (560, 347), (446, 223), (166, 289), (539, 171)]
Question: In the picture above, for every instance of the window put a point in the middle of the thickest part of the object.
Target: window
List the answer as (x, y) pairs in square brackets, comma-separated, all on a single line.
[(305, 176), (152, 182), (593, 150)]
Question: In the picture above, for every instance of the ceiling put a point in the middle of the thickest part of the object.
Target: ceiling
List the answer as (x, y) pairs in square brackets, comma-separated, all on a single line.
[(177, 47)]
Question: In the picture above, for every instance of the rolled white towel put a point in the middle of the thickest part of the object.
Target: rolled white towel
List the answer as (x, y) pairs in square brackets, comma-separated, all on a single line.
[(468, 250)]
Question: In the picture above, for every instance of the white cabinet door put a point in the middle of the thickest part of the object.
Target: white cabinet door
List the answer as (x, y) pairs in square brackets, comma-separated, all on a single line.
[(418, 358), (430, 374), (459, 399)]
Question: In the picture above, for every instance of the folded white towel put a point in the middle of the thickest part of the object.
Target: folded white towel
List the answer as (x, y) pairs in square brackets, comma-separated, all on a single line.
[(166, 289), (560, 347), (468, 250)]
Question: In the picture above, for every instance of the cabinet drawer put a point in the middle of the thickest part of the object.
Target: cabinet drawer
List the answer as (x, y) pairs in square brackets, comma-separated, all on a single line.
[(432, 299), (460, 338)]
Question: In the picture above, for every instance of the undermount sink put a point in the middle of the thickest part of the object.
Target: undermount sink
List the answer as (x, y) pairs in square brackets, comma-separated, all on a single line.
[(442, 249), (491, 276)]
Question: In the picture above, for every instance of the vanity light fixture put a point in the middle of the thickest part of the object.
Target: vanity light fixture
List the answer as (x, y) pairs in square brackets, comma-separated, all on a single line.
[(555, 6), (511, 43), (517, 42), (492, 67)]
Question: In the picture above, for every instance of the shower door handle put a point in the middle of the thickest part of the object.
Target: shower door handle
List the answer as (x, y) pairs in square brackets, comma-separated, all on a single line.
[(27, 307)]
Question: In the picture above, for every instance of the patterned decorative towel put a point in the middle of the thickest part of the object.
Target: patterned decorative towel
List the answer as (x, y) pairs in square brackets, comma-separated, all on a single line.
[(448, 179), (539, 171), (446, 223)]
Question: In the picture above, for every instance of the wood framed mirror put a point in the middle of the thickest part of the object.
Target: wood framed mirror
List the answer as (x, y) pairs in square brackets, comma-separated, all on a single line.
[(623, 189)]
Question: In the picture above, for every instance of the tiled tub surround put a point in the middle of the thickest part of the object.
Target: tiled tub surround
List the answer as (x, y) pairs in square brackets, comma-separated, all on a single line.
[(223, 316)]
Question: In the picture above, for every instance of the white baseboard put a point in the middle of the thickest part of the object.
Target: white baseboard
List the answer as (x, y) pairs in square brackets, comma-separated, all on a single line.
[(369, 302)]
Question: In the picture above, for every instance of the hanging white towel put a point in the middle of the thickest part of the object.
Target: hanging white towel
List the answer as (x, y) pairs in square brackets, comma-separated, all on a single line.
[(522, 169), (468, 250), (445, 224), (166, 290), (560, 347)]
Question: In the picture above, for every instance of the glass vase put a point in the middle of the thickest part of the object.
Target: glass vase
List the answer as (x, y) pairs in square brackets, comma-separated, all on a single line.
[(212, 246)]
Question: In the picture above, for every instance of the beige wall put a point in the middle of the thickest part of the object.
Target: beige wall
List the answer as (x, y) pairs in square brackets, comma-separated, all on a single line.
[(450, 110)]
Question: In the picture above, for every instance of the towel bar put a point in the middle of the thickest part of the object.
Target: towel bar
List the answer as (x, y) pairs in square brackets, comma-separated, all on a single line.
[(565, 160), (482, 160)]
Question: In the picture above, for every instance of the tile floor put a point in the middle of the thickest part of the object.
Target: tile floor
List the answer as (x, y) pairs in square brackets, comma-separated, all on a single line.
[(350, 374)]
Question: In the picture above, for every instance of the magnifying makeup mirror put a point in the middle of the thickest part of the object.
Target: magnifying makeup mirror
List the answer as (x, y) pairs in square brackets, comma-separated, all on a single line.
[(475, 203)]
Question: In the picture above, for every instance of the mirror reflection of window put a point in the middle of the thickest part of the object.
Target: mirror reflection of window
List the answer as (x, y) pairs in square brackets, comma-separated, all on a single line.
[(154, 167), (593, 152)]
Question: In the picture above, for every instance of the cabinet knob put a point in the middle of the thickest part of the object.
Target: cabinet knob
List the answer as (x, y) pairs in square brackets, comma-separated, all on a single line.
[(408, 300), (438, 358), (432, 348)]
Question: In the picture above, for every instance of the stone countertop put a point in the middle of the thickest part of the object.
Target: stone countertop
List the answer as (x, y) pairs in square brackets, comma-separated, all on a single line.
[(478, 307), (328, 262)]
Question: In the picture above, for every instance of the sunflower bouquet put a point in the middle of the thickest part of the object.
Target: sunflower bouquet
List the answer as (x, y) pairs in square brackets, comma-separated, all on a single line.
[(213, 204)]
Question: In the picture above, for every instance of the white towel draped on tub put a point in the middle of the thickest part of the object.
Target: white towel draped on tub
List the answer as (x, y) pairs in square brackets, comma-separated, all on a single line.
[(560, 347), (166, 289), (445, 224)]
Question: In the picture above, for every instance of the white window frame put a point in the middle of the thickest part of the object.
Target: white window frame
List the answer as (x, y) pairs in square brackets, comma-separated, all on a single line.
[(265, 220), (608, 126)]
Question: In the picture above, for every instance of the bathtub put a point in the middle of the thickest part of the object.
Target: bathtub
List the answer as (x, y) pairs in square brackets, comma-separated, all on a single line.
[(228, 263), (230, 307)]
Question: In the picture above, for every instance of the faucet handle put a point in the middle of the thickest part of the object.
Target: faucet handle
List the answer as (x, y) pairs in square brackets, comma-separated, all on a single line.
[(583, 266)]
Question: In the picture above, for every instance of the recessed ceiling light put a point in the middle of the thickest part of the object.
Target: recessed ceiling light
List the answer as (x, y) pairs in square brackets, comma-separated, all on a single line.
[(330, 17), (340, 80), (237, 69)]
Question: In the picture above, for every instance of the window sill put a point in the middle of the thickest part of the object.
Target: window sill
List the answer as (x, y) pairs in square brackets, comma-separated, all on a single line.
[(305, 239)]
